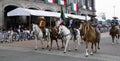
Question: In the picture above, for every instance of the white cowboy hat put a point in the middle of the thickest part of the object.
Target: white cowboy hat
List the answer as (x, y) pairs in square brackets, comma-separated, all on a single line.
[(42, 18)]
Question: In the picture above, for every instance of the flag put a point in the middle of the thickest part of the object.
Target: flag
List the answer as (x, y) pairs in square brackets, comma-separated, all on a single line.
[(82, 4), (62, 2), (89, 5), (75, 7), (62, 16), (50, 1)]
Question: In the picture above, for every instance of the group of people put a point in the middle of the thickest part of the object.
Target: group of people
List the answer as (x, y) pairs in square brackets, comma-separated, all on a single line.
[(70, 23)]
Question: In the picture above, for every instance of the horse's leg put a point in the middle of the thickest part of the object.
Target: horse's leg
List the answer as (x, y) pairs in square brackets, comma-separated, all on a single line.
[(95, 47), (77, 43), (62, 43), (57, 44), (48, 41), (86, 43), (66, 45), (91, 49), (113, 40), (36, 44), (117, 39), (51, 45), (42, 43), (98, 44)]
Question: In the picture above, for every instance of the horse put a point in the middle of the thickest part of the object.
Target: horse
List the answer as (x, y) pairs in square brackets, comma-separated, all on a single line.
[(67, 36), (38, 34), (114, 32), (89, 35), (54, 36)]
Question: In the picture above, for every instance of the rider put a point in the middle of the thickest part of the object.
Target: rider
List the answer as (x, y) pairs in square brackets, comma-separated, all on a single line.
[(71, 25), (94, 22), (115, 22), (42, 25)]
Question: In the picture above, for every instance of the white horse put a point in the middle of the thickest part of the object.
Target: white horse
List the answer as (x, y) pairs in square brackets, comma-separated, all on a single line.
[(38, 34), (67, 36), (78, 38)]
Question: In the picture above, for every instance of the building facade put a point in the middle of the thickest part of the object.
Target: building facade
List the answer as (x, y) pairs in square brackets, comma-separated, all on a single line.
[(77, 7)]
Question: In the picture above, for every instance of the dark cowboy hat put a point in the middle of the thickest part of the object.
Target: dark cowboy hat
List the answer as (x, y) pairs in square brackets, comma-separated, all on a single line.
[(115, 17), (92, 15)]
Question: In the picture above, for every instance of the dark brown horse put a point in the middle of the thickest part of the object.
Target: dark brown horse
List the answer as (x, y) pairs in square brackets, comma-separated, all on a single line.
[(114, 32), (89, 35), (54, 36)]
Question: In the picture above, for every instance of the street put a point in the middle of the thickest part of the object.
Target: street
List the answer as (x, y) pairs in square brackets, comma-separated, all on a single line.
[(24, 51)]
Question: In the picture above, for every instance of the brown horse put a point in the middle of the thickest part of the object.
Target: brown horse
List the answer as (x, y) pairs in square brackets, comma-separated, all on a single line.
[(54, 36), (114, 32), (89, 35)]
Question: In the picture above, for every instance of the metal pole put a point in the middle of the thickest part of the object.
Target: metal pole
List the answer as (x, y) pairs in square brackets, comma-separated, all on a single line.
[(30, 22), (50, 22), (86, 14)]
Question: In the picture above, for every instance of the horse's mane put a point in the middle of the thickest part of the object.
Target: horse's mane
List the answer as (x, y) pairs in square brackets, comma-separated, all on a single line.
[(89, 26)]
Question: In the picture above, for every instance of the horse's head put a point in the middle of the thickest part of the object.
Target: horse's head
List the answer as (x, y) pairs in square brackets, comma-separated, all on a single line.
[(54, 30), (83, 27), (60, 29), (113, 25), (35, 28)]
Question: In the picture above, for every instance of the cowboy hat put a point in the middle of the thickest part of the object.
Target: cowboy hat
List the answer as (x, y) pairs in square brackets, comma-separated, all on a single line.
[(92, 15), (115, 17), (42, 18), (69, 17)]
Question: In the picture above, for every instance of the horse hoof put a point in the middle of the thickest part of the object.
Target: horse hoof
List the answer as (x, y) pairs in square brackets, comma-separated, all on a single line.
[(69, 50), (98, 48), (47, 46), (64, 52), (86, 55), (91, 53), (76, 49), (35, 49), (112, 43), (62, 47)]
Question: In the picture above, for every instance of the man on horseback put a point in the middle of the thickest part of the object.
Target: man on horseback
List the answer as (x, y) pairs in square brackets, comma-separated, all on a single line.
[(116, 23), (94, 22), (71, 25), (42, 25)]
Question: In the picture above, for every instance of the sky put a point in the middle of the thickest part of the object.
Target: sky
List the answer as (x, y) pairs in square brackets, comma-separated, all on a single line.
[(107, 7)]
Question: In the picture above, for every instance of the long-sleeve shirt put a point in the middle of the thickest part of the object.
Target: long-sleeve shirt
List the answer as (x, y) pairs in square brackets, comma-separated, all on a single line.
[(115, 22), (93, 22)]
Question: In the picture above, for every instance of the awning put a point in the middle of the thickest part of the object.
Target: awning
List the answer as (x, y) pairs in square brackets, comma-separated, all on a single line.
[(28, 12)]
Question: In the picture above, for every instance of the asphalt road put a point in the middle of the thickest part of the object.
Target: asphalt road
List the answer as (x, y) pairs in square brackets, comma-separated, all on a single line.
[(108, 52)]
